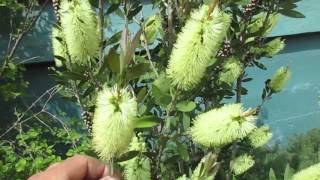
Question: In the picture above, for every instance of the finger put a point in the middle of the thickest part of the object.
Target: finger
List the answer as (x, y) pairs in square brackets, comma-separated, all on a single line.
[(53, 165), (79, 167)]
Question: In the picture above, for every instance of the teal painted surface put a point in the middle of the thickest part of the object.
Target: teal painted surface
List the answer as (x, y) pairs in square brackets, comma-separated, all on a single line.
[(297, 108), (289, 26)]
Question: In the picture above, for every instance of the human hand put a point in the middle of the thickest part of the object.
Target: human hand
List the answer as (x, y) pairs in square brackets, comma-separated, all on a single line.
[(78, 167)]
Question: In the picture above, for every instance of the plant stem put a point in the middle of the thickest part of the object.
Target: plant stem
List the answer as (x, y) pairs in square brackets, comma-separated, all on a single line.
[(170, 24), (25, 30), (101, 26)]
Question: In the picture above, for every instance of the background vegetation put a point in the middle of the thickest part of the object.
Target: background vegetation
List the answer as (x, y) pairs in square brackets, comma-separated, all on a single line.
[(139, 59)]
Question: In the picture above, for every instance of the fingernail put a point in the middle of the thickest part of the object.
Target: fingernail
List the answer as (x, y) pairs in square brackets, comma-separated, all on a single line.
[(109, 178)]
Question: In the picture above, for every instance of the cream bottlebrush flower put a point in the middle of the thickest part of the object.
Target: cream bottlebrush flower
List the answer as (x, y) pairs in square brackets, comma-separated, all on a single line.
[(137, 168), (231, 70), (184, 177), (59, 46), (223, 125), (152, 27), (79, 25), (260, 136), (242, 164), (259, 22), (280, 79), (274, 47), (310, 173), (113, 122), (196, 47)]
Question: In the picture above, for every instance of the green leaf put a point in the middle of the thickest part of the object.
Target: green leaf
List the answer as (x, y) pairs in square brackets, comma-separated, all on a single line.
[(137, 70), (128, 48), (21, 164), (186, 106), (113, 61), (288, 173), (186, 121), (141, 95), (112, 8), (147, 121), (72, 75), (162, 99), (114, 38), (127, 156), (183, 151), (291, 13), (272, 175)]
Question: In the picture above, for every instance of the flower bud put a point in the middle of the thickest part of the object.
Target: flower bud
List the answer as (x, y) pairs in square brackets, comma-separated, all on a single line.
[(139, 167), (113, 122), (274, 47), (312, 172), (231, 70), (242, 164), (222, 126), (260, 136), (196, 47), (79, 25), (280, 79)]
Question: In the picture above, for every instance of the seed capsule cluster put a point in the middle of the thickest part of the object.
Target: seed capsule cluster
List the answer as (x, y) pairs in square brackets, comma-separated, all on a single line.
[(226, 50), (56, 7), (87, 118), (251, 7)]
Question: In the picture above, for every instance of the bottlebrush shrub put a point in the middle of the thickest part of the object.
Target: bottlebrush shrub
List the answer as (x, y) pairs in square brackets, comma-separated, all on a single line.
[(172, 91)]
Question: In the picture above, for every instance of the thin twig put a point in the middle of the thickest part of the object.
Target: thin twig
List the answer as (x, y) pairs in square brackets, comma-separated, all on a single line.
[(101, 26)]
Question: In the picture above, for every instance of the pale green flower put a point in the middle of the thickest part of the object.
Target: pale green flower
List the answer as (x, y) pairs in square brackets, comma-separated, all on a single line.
[(270, 49), (113, 122), (137, 168), (231, 70), (196, 47), (152, 27), (280, 79), (59, 46), (223, 125), (258, 22), (184, 177), (274, 47), (242, 164), (79, 25), (202, 171), (260, 136), (310, 173)]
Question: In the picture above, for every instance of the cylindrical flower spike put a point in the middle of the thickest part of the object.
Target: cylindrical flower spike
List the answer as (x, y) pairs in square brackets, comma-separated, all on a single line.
[(79, 25), (197, 46), (139, 167), (231, 70), (310, 173), (274, 47), (223, 125), (242, 164), (113, 122), (59, 46), (260, 136), (280, 79)]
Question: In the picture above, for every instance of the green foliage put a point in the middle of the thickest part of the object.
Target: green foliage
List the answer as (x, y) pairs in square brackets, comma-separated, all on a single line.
[(34, 149), (301, 152)]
